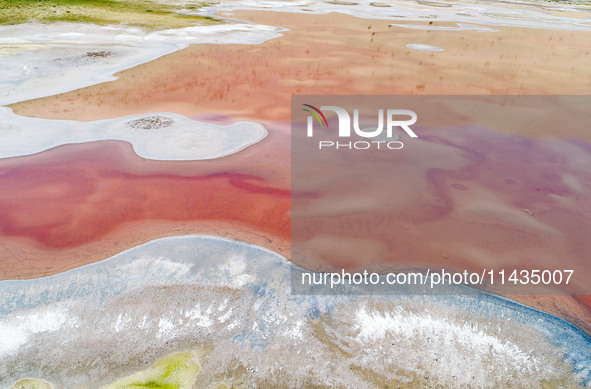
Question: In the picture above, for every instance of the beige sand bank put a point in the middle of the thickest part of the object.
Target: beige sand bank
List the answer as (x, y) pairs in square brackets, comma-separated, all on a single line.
[(334, 54)]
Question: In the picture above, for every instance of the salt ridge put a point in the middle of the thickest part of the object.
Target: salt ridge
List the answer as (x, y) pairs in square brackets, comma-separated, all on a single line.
[(487, 13), (160, 136)]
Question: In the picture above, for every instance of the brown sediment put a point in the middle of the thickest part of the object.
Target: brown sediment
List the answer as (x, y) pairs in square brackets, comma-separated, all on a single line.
[(25, 258), (575, 309), (334, 54), (77, 204)]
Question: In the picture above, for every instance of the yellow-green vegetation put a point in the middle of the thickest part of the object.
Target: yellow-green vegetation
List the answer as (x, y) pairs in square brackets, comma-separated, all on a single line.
[(177, 371), (29, 383), (144, 13)]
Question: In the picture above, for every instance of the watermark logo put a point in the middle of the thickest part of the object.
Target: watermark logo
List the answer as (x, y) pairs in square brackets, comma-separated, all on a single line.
[(315, 114), (393, 118)]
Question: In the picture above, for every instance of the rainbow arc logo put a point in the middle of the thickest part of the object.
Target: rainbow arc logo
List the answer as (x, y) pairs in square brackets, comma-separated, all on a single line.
[(315, 114)]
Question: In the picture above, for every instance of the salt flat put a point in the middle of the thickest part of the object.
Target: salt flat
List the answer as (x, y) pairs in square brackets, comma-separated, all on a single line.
[(111, 318), (164, 136)]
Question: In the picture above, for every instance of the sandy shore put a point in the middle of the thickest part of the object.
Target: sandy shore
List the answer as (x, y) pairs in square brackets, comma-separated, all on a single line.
[(334, 54), (575, 309), (40, 60)]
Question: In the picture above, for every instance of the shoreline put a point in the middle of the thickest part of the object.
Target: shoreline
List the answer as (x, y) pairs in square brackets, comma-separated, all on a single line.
[(373, 58), (513, 67), (35, 55), (198, 305)]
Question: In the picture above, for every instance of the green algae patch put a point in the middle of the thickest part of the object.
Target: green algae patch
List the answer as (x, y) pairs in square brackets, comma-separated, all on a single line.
[(29, 383), (142, 13), (177, 371)]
